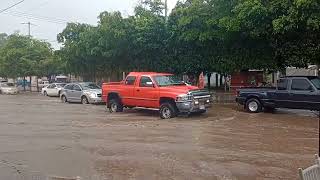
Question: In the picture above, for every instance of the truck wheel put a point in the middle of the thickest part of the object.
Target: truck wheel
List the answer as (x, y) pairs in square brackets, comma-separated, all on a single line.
[(253, 105), (115, 106), (167, 111)]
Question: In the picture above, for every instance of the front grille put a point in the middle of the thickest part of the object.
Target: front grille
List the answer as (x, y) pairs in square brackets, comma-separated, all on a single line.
[(201, 96), (99, 95)]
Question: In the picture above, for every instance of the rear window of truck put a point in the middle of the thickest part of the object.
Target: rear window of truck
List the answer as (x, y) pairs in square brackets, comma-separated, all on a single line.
[(282, 84), (130, 80)]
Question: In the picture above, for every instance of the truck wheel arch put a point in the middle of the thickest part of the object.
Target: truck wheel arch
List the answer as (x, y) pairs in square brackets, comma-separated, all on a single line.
[(252, 97), (166, 99), (169, 104), (113, 95)]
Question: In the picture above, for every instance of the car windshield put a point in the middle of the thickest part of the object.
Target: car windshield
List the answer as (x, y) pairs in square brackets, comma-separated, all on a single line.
[(7, 85), (86, 86), (168, 80), (316, 82)]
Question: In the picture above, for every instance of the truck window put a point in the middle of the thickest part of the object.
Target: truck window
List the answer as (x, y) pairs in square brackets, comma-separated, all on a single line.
[(144, 82), (130, 80), (300, 85), (282, 84)]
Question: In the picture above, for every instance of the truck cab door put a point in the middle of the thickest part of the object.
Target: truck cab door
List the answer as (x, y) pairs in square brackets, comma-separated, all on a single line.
[(303, 95), (146, 93)]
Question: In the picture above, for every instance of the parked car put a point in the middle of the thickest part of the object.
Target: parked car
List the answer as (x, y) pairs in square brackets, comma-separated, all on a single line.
[(295, 92), (161, 91), (86, 92), (8, 88), (43, 84), (53, 89)]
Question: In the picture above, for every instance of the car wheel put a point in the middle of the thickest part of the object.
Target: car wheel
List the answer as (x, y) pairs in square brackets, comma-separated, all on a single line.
[(64, 99), (253, 105), (84, 100), (45, 93), (115, 106), (167, 111)]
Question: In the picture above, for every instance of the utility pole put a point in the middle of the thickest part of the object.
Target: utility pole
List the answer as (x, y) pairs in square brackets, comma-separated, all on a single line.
[(166, 9), (29, 27), (29, 35)]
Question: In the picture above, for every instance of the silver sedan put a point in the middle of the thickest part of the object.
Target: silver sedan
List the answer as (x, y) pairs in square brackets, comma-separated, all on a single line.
[(85, 93)]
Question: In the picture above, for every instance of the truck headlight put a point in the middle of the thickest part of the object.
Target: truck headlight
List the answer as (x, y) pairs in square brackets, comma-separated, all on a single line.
[(184, 97)]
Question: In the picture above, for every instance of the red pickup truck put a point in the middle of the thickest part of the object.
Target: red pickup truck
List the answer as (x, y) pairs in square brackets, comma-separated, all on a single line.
[(161, 91)]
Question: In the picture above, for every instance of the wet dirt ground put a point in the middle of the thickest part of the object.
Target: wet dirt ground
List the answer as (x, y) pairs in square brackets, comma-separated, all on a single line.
[(40, 136)]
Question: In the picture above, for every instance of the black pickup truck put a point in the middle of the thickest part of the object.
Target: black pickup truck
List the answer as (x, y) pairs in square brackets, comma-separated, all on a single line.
[(297, 92)]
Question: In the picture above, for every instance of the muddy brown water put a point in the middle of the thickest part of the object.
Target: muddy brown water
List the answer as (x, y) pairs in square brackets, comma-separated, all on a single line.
[(39, 136)]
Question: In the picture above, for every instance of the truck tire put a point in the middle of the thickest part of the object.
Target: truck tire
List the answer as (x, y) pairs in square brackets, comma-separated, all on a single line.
[(115, 106), (167, 111), (253, 105)]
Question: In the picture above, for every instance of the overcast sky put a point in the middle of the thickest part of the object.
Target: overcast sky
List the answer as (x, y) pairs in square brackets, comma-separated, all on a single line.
[(50, 16)]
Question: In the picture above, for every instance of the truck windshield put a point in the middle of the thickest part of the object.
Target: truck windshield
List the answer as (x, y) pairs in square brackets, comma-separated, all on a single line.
[(87, 86), (168, 80), (316, 82)]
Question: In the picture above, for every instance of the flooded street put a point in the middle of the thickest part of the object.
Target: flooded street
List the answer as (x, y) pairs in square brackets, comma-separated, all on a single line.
[(39, 136)]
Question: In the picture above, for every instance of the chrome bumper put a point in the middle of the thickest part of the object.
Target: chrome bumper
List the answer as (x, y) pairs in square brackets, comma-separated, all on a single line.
[(196, 105)]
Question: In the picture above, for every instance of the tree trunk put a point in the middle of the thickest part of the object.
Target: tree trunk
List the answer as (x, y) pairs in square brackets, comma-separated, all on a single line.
[(217, 80), (30, 78), (37, 83), (225, 83), (24, 83), (209, 80)]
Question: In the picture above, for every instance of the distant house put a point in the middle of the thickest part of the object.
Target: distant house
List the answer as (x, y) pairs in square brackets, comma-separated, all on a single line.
[(310, 71)]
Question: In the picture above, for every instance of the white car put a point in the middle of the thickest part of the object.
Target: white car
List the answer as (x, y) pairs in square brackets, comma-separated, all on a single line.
[(53, 89), (43, 84), (8, 88)]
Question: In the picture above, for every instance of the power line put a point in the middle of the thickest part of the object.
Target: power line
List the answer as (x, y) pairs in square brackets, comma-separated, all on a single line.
[(38, 18), (39, 5), (3, 10)]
